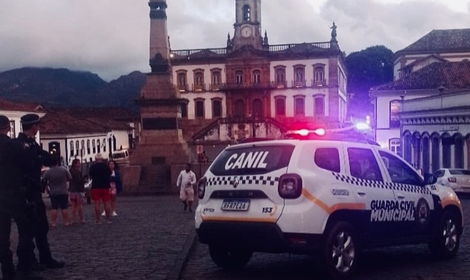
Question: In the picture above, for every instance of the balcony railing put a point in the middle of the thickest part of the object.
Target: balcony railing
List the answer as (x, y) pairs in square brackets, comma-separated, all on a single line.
[(215, 87), (182, 88), (246, 85), (179, 54), (284, 47), (321, 83), (299, 84), (199, 87), (280, 84)]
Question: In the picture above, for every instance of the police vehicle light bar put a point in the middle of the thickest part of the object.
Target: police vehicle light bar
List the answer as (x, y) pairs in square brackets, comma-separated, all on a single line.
[(307, 132)]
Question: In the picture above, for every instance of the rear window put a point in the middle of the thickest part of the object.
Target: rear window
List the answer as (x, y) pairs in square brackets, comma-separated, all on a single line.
[(252, 160), (327, 158), (459, 172)]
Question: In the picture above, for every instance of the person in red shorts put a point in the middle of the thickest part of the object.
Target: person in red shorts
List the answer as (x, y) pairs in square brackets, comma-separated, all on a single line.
[(100, 175)]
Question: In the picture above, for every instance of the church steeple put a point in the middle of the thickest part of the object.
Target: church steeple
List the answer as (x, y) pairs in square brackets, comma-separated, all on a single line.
[(248, 24)]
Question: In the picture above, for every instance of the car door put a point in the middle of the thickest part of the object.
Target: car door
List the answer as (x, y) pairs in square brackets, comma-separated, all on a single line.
[(415, 202), (366, 180)]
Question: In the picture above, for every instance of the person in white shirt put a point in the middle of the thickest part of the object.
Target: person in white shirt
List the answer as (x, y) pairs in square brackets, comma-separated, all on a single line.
[(186, 181)]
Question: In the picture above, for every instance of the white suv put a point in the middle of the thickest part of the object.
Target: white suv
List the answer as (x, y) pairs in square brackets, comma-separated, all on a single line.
[(331, 197)]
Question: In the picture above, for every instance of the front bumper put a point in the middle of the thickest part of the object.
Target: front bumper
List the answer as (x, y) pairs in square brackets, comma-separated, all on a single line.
[(258, 237)]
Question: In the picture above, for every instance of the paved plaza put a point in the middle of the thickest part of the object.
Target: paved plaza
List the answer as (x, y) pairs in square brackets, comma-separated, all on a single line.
[(146, 241), (152, 237)]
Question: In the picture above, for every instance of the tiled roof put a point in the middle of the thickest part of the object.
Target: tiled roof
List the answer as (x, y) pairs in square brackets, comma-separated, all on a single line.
[(450, 75), (441, 40), (109, 124), (411, 65), (19, 106), (113, 113), (59, 123)]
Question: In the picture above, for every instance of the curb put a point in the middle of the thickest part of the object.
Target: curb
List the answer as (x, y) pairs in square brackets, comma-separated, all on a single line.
[(177, 271)]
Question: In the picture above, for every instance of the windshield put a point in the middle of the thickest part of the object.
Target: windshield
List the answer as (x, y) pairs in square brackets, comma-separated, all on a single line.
[(252, 160)]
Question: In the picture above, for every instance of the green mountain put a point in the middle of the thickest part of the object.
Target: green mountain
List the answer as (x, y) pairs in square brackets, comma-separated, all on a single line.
[(66, 88)]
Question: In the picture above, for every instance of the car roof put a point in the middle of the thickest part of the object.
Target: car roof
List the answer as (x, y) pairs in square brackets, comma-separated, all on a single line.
[(296, 142)]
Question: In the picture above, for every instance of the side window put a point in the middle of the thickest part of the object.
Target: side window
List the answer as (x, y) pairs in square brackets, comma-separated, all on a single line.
[(363, 165), (328, 158), (439, 173), (400, 172)]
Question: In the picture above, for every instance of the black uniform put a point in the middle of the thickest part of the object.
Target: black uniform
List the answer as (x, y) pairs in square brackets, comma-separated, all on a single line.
[(34, 188), (14, 164)]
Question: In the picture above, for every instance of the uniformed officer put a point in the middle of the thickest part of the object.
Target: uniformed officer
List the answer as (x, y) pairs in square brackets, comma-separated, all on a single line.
[(40, 158), (14, 164)]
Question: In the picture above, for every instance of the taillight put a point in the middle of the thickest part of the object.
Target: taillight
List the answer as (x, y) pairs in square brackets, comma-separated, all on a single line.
[(290, 186), (201, 187), (452, 179)]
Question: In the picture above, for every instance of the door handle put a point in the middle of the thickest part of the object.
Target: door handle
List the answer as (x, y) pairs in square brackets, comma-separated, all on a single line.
[(400, 196), (361, 193)]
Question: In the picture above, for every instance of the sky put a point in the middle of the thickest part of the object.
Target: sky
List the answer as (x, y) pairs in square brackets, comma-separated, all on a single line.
[(111, 37)]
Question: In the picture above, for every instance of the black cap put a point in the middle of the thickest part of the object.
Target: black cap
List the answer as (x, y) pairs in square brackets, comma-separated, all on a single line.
[(30, 119), (4, 122)]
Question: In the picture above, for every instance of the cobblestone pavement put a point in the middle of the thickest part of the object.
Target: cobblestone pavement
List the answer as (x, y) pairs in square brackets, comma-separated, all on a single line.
[(397, 263), (145, 241)]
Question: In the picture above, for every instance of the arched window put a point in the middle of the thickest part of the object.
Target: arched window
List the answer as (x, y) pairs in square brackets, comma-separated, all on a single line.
[(395, 107), (93, 145), (82, 146), (98, 145), (184, 110), (280, 106), (280, 76), (239, 77), (394, 145), (216, 80), (198, 80), (199, 109), (216, 108), (88, 151), (182, 84), (299, 106), (71, 148), (318, 75), (256, 77), (257, 108), (299, 76), (104, 144), (77, 147), (246, 13), (319, 106), (239, 109)]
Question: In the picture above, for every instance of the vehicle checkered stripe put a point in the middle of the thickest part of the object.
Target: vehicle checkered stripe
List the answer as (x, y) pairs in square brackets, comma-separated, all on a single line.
[(380, 185), (242, 180)]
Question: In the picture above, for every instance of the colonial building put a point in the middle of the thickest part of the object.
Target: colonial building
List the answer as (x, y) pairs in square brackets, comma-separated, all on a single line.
[(437, 63), (436, 130), (14, 111), (84, 132), (250, 88)]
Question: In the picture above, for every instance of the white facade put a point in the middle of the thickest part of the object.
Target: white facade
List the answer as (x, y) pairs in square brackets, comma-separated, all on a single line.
[(15, 122), (436, 131)]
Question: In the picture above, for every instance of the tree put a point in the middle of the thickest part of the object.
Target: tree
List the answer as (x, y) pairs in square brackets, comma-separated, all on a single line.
[(367, 68)]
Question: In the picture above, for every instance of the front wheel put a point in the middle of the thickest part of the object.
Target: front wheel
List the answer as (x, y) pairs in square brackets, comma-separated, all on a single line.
[(229, 257), (447, 240), (340, 251)]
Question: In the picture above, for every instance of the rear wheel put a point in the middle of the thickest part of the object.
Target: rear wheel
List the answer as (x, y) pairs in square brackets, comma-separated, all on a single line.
[(340, 251), (229, 257), (447, 240)]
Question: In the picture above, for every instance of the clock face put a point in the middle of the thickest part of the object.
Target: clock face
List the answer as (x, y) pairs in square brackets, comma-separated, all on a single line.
[(246, 31)]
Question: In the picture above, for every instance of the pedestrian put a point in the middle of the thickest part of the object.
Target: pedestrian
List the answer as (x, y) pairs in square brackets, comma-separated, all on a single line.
[(100, 187), (185, 182), (77, 190), (34, 188), (14, 164), (115, 186), (58, 177)]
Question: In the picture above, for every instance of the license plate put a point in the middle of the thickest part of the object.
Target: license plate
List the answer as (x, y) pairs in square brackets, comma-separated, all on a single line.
[(235, 205)]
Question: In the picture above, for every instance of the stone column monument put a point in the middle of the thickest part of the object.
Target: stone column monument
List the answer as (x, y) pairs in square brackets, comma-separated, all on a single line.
[(161, 142)]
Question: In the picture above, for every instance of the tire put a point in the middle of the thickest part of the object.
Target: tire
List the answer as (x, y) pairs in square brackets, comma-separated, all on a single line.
[(229, 257), (340, 251), (445, 244)]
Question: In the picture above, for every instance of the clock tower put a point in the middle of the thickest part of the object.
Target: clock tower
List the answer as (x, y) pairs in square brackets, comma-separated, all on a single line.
[(248, 24)]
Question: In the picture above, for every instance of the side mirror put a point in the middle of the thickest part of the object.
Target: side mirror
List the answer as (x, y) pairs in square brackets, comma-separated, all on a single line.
[(429, 179)]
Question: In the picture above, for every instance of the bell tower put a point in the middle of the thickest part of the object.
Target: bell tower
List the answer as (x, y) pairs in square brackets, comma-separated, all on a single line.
[(248, 24)]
